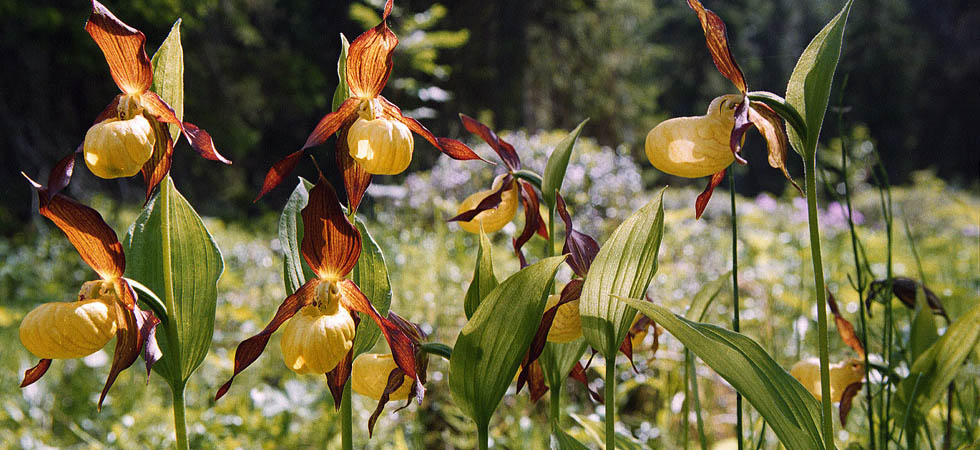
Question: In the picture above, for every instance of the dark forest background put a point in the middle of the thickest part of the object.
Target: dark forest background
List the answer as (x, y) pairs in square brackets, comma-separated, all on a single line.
[(260, 74)]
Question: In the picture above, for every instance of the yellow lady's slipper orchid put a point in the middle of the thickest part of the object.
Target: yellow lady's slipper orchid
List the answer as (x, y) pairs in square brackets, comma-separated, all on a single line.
[(492, 219), (842, 375), (381, 146), (369, 376), (693, 147), (63, 330), (567, 325), (319, 335), (117, 148)]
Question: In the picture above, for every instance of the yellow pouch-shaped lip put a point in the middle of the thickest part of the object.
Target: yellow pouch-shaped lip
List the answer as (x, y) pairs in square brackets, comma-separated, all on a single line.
[(369, 376), (693, 147), (314, 341), (380, 146), (117, 148), (567, 325), (63, 330), (492, 219)]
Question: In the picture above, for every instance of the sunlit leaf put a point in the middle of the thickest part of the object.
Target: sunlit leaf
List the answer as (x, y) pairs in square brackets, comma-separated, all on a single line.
[(342, 92), (491, 345), (554, 171), (596, 431), (483, 278), (168, 75), (295, 273), (371, 275)]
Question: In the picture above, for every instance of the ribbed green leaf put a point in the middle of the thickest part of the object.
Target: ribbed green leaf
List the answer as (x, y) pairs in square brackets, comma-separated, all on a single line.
[(787, 407), (483, 278), (936, 367), (168, 74), (809, 86), (554, 171), (557, 360), (598, 433), (490, 347), (624, 267), (343, 90), (170, 251), (370, 273), (923, 332), (564, 440)]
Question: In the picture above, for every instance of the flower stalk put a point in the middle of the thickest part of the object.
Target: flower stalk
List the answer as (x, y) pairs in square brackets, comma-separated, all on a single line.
[(735, 313), (346, 419)]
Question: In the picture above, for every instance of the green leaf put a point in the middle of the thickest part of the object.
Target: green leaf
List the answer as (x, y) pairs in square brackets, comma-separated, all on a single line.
[(483, 279), (168, 74), (809, 86), (787, 407), (923, 331), (557, 360), (937, 367), (170, 251), (370, 273), (342, 92), (785, 110), (597, 432), (490, 347), (554, 171), (565, 441), (624, 267), (703, 299)]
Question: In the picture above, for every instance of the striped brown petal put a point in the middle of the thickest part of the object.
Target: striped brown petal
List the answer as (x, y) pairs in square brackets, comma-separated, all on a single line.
[(124, 49), (503, 149), (716, 37), (35, 373), (771, 126), (451, 147), (157, 167), (331, 245), (128, 345), (702, 201), (199, 139), (356, 179), (369, 58), (581, 247)]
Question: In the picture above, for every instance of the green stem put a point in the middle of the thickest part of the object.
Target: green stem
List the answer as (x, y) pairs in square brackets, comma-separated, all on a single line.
[(827, 420), (346, 419), (555, 406), (180, 424), (693, 371), (735, 315), (611, 400), (483, 433)]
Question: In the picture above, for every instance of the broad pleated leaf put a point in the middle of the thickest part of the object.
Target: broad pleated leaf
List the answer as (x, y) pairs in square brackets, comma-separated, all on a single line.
[(492, 344), (564, 440), (597, 432), (809, 86), (371, 275), (624, 267), (168, 75), (554, 170), (483, 278), (932, 371), (172, 253), (783, 402)]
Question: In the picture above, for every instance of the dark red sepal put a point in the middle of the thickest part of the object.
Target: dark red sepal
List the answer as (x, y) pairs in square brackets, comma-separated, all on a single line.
[(742, 124), (535, 381), (128, 345), (489, 202), (846, 399), (503, 149), (716, 37), (250, 349), (578, 374), (702, 201), (35, 373), (571, 292), (582, 247), (533, 223), (356, 179)]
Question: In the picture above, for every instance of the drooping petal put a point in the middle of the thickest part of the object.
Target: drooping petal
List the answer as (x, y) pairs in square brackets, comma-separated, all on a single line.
[(35, 373), (716, 37), (356, 179), (846, 399), (533, 223), (124, 49), (402, 347), (330, 123), (844, 327), (95, 241), (454, 149), (503, 149), (337, 378), (331, 245), (279, 171), (128, 346), (535, 381), (489, 202), (580, 246), (771, 126), (396, 378), (249, 350), (702, 200), (369, 58), (157, 167), (571, 292), (578, 374), (742, 124), (60, 174), (146, 322), (199, 139)]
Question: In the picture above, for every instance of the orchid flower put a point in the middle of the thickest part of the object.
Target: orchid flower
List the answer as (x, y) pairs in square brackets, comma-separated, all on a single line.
[(321, 316), (104, 308), (693, 147), (130, 134), (375, 138), (492, 209)]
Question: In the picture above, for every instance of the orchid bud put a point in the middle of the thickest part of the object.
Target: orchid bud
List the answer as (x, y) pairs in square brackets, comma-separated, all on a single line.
[(62, 330), (842, 375), (492, 219), (693, 147), (318, 337), (380, 146), (369, 376), (567, 325), (117, 148)]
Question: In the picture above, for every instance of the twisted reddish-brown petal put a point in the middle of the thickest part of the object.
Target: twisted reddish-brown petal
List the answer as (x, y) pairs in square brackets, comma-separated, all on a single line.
[(279, 171), (846, 398), (356, 179), (506, 151), (128, 345), (330, 123), (395, 380), (402, 347), (199, 139), (532, 219), (770, 125), (147, 324), (489, 202), (702, 201), (571, 292), (535, 381), (578, 374), (337, 378), (844, 327), (331, 244), (35, 373), (742, 124), (581, 247), (84, 227), (157, 167), (369, 58), (250, 349), (60, 174), (454, 149), (124, 49), (717, 39)]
